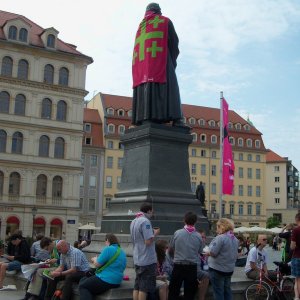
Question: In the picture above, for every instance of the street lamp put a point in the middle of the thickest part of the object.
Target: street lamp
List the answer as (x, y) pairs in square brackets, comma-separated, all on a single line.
[(34, 212)]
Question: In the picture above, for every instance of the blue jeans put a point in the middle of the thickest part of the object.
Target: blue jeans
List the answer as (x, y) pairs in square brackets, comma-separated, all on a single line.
[(221, 285), (14, 265)]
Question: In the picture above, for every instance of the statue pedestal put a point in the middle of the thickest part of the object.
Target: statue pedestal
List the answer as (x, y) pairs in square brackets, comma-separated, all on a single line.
[(155, 170)]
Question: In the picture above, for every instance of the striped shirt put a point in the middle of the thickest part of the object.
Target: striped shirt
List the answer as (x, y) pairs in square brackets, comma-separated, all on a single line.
[(74, 258)]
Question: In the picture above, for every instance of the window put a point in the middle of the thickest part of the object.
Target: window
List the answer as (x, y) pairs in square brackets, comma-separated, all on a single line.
[(121, 146), (7, 66), (81, 180), (92, 181), (241, 190), (277, 190), (48, 74), (194, 135), (231, 140), (3, 139), (109, 162), (213, 207), (257, 171), (249, 157), (108, 181), (231, 208), (1, 183), (14, 184), (230, 126), (201, 122), (258, 209), (44, 146), (240, 142), (203, 153), (238, 126), (249, 209), (59, 148), (213, 154), (213, 188), (213, 139), (12, 33), (111, 128), (241, 156), (249, 173), (257, 144), (23, 34), (4, 102), (247, 127), (214, 170), (241, 172), (203, 169), (276, 168), (257, 158), (194, 170), (17, 143), (192, 121), (212, 123), (46, 108), (194, 152), (121, 129), (80, 203), (118, 182), (121, 113), (92, 204), (203, 138), (41, 186), (87, 127), (23, 69), (277, 200), (249, 143), (277, 179), (257, 191), (63, 76), (241, 209), (82, 159), (129, 113), (110, 144), (93, 160), (120, 162), (193, 186), (249, 190), (20, 102), (110, 111), (61, 114), (51, 41)]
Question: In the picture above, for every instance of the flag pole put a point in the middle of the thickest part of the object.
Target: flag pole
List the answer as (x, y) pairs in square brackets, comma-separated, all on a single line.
[(221, 152)]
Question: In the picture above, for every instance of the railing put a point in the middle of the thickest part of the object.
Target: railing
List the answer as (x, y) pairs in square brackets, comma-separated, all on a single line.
[(13, 198), (41, 199), (57, 201)]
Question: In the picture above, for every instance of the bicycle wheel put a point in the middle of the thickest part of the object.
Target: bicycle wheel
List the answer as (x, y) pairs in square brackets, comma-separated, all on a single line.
[(257, 291), (287, 288)]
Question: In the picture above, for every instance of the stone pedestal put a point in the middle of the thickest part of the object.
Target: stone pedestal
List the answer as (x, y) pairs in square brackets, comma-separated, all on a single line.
[(156, 170)]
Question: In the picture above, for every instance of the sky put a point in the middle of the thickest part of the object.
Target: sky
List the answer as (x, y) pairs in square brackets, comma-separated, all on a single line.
[(250, 50)]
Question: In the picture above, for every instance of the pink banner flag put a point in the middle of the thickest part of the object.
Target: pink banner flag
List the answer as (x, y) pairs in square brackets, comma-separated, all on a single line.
[(228, 164)]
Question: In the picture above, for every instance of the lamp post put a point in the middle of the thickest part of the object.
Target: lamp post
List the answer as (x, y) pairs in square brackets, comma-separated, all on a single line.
[(34, 212)]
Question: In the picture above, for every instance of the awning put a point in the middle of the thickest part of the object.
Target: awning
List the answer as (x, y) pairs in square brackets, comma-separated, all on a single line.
[(13, 220), (39, 221), (56, 222)]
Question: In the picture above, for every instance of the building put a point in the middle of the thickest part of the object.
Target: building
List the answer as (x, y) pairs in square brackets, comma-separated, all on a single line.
[(247, 206), (283, 184), (92, 161), (42, 86)]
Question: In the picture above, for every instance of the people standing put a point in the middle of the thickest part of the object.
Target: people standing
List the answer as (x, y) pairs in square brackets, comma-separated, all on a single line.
[(144, 255), (187, 245), (222, 255), (286, 234)]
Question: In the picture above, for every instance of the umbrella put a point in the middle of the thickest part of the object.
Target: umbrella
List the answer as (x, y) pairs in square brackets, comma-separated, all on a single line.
[(257, 229), (275, 230), (241, 229), (89, 227)]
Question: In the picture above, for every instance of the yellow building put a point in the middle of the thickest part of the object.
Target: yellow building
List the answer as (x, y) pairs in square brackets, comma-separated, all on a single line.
[(247, 206)]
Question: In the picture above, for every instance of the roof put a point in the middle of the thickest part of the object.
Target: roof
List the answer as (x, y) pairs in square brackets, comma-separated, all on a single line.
[(92, 116), (271, 157), (35, 33), (116, 102)]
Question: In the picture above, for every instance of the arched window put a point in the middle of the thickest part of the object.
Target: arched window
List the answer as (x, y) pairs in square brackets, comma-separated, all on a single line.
[(63, 76), (44, 146), (111, 128), (57, 186), (249, 143), (17, 143), (59, 149), (231, 140), (121, 113), (212, 123), (23, 69), (192, 121), (23, 33), (194, 135), (1, 183), (257, 143), (240, 142), (7, 66), (203, 138), (201, 122), (3, 138), (20, 103), (110, 111), (12, 32), (14, 184), (121, 129), (61, 114), (49, 74), (41, 186), (46, 108), (4, 102), (129, 113), (213, 139), (51, 41)]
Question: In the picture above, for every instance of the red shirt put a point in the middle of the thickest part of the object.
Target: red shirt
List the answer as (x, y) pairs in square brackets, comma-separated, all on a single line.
[(296, 238)]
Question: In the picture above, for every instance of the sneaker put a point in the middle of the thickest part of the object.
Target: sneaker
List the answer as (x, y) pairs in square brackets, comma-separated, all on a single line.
[(13, 272), (10, 287)]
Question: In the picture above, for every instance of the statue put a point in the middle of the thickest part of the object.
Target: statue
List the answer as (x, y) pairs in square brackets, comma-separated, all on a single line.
[(156, 95), (200, 194)]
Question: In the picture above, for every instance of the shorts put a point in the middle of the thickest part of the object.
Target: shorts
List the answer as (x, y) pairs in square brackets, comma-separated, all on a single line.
[(145, 280), (14, 266), (202, 275), (296, 267)]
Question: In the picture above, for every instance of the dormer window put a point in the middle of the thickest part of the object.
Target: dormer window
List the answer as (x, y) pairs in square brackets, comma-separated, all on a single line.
[(212, 123), (12, 32), (238, 126), (120, 112), (110, 111), (129, 113), (23, 34), (247, 127), (192, 121), (51, 41), (230, 125), (201, 122)]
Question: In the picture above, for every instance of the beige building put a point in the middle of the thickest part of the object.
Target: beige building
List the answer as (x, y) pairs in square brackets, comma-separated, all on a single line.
[(42, 86), (247, 205)]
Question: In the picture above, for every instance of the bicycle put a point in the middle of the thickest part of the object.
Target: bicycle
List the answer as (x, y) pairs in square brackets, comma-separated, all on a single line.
[(265, 288)]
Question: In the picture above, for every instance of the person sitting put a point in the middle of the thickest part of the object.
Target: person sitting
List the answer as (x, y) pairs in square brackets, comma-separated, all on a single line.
[(257, 260), (20, 254), (110, 265), (37, 252)]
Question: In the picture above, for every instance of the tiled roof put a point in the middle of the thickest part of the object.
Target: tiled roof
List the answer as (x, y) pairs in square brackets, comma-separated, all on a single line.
[(35, 33), (274, 157), (92, 116), (116, 102)]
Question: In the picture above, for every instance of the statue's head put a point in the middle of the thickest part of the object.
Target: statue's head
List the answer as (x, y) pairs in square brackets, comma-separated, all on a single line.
[(154, 7)]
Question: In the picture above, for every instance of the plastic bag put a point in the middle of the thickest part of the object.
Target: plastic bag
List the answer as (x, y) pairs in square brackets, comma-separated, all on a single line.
[(29, 270)]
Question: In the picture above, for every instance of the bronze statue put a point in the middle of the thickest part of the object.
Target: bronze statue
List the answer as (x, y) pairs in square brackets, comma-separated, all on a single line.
[(200, 194), (156, 95)]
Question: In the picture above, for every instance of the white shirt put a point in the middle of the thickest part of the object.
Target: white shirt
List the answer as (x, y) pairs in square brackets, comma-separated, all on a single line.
[(256, 256)]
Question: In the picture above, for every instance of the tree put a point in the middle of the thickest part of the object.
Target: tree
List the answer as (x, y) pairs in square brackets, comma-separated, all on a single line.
[(272, 222)]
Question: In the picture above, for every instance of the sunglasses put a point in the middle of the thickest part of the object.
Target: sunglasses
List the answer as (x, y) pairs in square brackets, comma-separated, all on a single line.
[(264, 239)]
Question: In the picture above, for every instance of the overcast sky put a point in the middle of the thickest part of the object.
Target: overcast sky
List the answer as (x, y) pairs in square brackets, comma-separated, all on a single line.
[(250, 50)]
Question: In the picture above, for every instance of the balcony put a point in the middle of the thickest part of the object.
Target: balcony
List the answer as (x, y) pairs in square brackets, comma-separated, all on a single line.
[(41, 199), (13, 198), (56, 201)]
